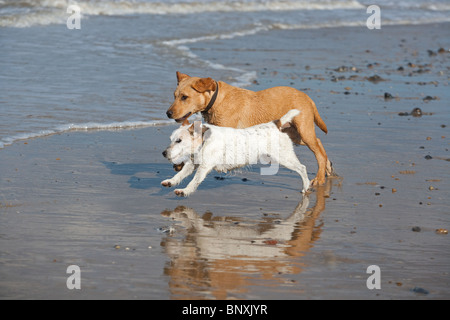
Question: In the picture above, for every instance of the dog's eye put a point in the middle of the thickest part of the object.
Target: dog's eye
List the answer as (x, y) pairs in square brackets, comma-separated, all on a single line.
[(178, 141), (183, 98)]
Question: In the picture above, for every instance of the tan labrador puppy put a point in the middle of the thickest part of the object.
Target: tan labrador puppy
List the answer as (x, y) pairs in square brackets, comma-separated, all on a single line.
[(224, 105)]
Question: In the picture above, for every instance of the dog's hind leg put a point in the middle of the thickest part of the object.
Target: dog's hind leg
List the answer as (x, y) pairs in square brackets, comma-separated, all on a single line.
[(200, 175), (292, 163), (308, 137), (330, 172)]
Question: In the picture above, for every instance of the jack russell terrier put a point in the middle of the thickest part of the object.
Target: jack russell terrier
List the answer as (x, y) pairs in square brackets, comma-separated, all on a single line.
[(207, 147)]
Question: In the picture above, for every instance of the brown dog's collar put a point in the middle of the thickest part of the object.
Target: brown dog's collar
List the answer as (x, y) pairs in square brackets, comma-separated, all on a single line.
[(213, 99)]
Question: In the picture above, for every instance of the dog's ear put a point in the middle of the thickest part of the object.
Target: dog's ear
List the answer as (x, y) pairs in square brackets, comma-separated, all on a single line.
[(204, 84), (191, 129), (181, 76)]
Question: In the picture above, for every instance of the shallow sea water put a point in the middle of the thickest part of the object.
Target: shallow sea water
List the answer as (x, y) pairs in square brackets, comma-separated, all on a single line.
[(118, 70)]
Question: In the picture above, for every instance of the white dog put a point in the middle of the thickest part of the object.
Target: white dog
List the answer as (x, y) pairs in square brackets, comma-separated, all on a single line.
[(209, 147)]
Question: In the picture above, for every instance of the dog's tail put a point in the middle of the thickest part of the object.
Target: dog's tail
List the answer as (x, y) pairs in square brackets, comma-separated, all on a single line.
[(285, 120), (318, 120)]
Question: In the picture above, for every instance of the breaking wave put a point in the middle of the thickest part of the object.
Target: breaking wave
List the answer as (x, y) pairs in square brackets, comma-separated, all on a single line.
[(27, 13), (84, 127)]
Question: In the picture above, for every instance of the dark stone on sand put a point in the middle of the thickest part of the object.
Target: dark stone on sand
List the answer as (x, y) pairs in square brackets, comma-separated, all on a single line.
[(420, 290), (431, 53), (400, 68), (428, 157), (219, 178), (429, 98), (416, 229), (417, 112), (442, 50), (375, 79), (346, 69), (244, 179), (388, 96), (341, 69)]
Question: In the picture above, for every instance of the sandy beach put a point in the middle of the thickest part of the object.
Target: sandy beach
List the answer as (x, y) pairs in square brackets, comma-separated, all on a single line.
[(93, 198)]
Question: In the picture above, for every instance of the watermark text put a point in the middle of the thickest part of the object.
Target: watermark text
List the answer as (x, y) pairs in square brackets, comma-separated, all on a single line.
[(74, 280), (74, 20), (374, 21)]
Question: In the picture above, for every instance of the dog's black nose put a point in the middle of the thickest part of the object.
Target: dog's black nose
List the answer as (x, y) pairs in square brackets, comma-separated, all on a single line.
[(169, 114), (165, 153)]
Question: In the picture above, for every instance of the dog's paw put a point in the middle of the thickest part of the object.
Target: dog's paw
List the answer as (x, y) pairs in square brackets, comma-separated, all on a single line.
[(317, 182), (307, 189), (166, 183), (181, 193)]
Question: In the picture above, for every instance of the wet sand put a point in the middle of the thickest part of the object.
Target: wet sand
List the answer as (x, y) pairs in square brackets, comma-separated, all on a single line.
[(94, 199)]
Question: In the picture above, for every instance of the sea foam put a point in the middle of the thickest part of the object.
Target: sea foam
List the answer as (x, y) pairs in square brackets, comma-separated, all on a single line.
[(83, 127)]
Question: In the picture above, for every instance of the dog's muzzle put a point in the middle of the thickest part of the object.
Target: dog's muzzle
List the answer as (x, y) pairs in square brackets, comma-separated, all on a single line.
[(176, 167)]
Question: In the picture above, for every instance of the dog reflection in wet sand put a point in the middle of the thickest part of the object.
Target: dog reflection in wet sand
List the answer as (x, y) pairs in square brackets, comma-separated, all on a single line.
[(224, 149), (218, 256)]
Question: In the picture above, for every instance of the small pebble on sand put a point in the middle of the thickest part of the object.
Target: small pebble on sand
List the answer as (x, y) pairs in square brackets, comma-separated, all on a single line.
[(420, 290)]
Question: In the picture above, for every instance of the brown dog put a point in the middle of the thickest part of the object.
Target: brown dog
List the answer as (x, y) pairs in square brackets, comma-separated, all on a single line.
[(224, 105)]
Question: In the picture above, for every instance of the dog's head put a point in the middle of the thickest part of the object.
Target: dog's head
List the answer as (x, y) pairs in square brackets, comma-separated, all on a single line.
[(185, 142), (192, 95)]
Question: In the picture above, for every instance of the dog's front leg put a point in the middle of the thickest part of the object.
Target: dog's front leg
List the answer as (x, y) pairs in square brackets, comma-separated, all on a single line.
[(187, 170), (200, 175)]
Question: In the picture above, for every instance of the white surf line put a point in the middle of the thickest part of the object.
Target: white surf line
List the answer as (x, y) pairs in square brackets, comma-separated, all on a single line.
[(244, 79), (385, 22), (89, 126)]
